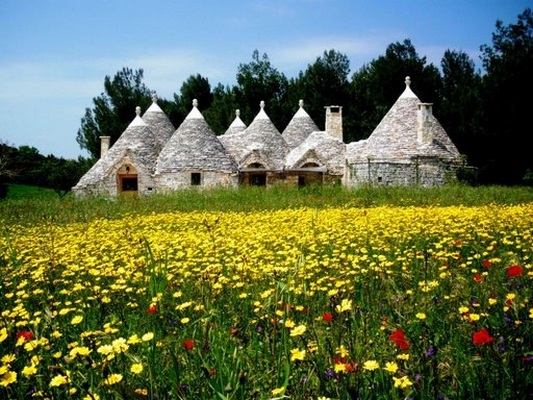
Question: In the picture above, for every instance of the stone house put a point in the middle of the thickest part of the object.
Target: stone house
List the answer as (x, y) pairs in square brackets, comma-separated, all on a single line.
[(408, 147)]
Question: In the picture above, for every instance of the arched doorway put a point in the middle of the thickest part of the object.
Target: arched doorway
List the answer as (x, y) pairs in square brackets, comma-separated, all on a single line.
[(127, 179)]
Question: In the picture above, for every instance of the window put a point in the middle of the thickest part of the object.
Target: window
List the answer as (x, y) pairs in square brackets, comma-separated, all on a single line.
[(301, 181), (196, 179)]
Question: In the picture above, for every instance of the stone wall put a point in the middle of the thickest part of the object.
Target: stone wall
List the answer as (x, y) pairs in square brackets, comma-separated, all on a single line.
[(425, 172), (182, 180)]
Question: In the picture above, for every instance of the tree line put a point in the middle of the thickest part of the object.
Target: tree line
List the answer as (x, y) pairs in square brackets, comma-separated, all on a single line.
[(484, 112)]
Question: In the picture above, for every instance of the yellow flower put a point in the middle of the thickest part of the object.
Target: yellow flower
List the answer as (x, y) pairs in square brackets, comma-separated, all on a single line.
[(136, 368), (403, 356), (370, 365), (112, 379), (278, 391), (185, 320), (3, 334), (58, 380), (8, 358), (289, 323), (120, 345), (404, 382), (29, 370), (147, 337), (474, 317), (312, 346), (92, 396), (76, 320), (463, 310), (342, 351), (134, 339), (82, 351), (8, 378), (299, 330), (492, 301), (346, 305), (297, 354), (531, 313), (421, 315), (391, 367), (340, 367)]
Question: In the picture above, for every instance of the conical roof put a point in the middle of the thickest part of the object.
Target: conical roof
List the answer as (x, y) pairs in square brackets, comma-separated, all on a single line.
[(194, 146), (321, 148), (261, 137), (231, 135), (299, 128), (159, 122), (397, 136), (137, 140), (237, 124)]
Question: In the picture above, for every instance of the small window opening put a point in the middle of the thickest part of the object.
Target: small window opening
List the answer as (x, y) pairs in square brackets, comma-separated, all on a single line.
[(196, 179)]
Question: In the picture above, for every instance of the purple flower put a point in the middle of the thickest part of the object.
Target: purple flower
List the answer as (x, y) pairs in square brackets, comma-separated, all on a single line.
[(431, 351)]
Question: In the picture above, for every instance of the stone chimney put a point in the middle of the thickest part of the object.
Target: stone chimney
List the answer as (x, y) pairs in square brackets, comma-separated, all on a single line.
[(334, 121), (105, 141), (424, 130)]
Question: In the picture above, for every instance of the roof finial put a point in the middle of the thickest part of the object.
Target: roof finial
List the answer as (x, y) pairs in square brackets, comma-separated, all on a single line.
[(262, 104), (237, 112), (408, 81), (301, 103), (154, 97), (138, 111), (195, 103)]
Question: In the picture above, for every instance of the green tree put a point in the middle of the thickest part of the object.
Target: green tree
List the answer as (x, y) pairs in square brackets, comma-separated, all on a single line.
[(377, 85), (113, 110), (195, 87), (324, 83), (461, 109), (222, 111), (508, 85), (62, 174), (259, 81)]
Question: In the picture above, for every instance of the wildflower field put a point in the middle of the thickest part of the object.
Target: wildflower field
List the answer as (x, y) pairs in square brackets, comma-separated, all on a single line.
[(380, 302)]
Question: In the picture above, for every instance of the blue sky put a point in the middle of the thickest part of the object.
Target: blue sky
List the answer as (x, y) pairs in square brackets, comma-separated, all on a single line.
[(55, 54)]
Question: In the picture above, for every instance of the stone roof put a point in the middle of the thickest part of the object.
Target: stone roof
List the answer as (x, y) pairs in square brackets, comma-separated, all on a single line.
[(299, 128), (396, 138), (159, 122), (194, 146), (137, 141), (236, 126), (320, 148), (261, 143)]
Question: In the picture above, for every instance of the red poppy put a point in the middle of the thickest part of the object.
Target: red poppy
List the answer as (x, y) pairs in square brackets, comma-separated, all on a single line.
[(478, 278), (479, 338), (486, 264), (233, 331), (188, 344), (152, 309), (327, 316), (27, 335), (339, 360), (514, 270), (398, 337)]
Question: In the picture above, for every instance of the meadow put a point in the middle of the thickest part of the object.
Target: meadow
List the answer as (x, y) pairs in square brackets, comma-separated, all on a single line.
[(322, 293)]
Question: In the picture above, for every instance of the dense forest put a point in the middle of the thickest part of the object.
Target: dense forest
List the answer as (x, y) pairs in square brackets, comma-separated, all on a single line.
[(485, 112)]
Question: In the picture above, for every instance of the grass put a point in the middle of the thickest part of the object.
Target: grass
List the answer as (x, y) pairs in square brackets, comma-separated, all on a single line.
[(320, 293), (31, 205)]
